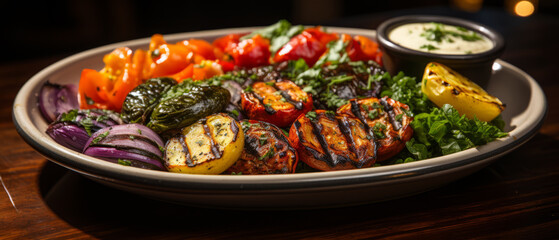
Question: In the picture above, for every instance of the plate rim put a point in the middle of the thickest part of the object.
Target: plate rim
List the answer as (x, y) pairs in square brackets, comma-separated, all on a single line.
[(179, 182)]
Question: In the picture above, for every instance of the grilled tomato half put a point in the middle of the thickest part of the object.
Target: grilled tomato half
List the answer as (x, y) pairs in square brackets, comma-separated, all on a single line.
[(386, 118), (328, 141), (209, 146), (279, 103), (267, 151)]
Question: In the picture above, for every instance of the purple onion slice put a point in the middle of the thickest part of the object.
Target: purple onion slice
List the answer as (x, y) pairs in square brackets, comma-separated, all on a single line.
[(54, 99), (68, 134), (129, 144), (73, 128)]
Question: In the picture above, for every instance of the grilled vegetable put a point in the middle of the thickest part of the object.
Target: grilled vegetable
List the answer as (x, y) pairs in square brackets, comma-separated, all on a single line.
[(327, 141), (68, 134), (443, 85), (73, 128), (209, 146), (55, 99), (129, 144), (308, 45), (279, 103), (387, 119), (140, 102), (267, 151), (184, 104)]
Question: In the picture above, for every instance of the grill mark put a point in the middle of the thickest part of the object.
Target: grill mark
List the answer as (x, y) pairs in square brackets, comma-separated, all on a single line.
[(268, 108), (344, 128), (297, 125), (186, 151), (215, 150), (298, 104), (234, 129), (316, 130), (391, 115), (357, 112)]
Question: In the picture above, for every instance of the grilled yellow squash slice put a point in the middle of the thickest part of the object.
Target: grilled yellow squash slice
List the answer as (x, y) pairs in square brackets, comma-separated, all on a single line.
[(443, 85), (209, 146)]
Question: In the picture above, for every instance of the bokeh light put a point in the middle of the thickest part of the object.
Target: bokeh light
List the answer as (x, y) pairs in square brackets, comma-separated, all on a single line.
[(524, 8)]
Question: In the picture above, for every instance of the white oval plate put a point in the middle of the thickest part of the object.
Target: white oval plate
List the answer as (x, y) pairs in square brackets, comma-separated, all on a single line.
[(526, 109)]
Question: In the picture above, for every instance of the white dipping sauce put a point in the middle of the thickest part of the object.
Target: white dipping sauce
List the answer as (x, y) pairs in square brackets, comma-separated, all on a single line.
[(439, 38)]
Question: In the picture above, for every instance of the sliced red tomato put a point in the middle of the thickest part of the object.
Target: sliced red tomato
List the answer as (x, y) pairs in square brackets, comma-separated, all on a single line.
[(386, 119), (279, 103), (327, 141), (266, 151), (308, 45)]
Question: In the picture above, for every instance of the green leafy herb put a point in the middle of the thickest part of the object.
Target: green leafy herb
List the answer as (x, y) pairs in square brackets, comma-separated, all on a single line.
[(311, 115), (235, 113), (437, 33), (100, 137), (124, 162), (311, 79), (332, 100), (248, 89), (373, 114), (263, 139), (338, 79), (445, 131), (378, 130), (279, 34), (335, 54), (268, 154), (406, 90), (428, 47)]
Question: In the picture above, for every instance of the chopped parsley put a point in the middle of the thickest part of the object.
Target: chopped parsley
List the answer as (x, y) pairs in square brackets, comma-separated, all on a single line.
[(100, 137), (373, 114), (124, 162), (268, 154), (378, 130), (437, 34), (311, 115), (428, 47)]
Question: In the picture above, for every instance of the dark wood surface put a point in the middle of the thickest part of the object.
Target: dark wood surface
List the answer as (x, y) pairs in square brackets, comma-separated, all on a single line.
[(516, 197)]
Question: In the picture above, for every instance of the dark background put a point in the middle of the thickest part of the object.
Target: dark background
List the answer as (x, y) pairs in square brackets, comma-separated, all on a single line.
[(32, 29)]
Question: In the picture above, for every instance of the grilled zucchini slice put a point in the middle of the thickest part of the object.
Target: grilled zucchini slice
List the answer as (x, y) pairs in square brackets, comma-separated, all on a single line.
[(443, 85)]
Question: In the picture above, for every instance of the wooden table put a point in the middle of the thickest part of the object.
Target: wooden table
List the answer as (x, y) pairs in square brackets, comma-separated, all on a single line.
[(516, 197)]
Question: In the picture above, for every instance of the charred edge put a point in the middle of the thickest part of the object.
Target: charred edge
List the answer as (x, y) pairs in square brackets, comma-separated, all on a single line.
[(390, 110), (279, 135), (356, 110), (298, 104), (297, 125), (186, 151), (234, 129), (328, 158), (251, 145), (215, 151), (344, 128), (268, 108)]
